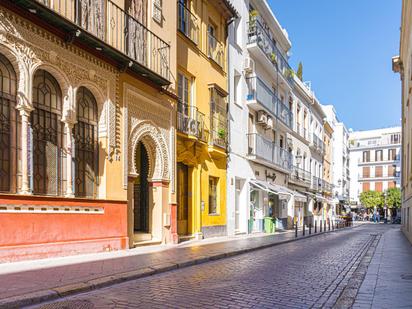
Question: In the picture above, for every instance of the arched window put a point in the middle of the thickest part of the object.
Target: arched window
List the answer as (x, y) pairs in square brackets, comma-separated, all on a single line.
[(8, 87), (47, 132), (85, 136)]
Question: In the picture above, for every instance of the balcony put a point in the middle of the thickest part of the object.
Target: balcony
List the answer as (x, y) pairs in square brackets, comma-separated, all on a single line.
[(317, 143), (215, 50), (259, 94), (219, 130), (316, 184), (191, 122), (187, 23), (106, 29), (327, 187), (263, 149), (259, 36), (300, 176)]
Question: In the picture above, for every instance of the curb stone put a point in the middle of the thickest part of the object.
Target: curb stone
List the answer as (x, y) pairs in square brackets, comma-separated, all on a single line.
[(75, 288)]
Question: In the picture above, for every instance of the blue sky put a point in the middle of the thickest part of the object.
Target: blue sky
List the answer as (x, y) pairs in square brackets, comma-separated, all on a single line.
[(346, 48)]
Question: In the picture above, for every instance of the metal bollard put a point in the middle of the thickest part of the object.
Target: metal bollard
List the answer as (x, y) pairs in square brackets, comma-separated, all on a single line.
[(320, 226), (303, 232), (296, 230), (324, 225), (329, 225), (315, 227), (310, 228)]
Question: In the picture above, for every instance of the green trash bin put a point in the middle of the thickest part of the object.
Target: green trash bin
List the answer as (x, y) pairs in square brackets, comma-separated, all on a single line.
[(269, 226)]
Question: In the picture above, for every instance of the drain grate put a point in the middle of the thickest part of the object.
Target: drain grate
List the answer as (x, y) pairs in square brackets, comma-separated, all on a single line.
[(406, 276), (69, 304)]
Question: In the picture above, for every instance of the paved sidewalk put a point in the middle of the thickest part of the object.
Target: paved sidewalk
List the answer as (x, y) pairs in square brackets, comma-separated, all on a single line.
[(388, 281), (26, 283)]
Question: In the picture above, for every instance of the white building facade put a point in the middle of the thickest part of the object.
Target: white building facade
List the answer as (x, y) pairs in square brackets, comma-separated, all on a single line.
[(375, 161), (340, 159), (261, 84)]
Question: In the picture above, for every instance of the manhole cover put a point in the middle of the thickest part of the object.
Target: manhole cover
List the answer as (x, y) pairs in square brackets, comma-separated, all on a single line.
[(69, 304), (406, 276)]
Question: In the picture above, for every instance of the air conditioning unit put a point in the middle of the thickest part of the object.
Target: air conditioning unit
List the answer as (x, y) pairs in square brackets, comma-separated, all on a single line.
[(249, 65), (269, 122), (262, 118)]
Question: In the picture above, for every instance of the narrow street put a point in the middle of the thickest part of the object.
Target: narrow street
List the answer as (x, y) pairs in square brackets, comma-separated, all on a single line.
[(310, 273)]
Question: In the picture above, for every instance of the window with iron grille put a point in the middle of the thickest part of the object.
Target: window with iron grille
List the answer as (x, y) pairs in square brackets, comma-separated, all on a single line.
[(86, 144), (8, 115), (47, 134), (157, 10)]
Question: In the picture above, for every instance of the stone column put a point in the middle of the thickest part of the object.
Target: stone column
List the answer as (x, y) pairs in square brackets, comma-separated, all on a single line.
[(68, 127), (24, 114)]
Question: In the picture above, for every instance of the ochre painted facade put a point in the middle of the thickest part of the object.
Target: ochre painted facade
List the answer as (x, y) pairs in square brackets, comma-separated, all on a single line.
[(201, 148)]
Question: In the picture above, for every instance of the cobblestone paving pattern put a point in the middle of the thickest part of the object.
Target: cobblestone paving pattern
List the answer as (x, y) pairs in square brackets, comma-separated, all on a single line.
[(310, 273)]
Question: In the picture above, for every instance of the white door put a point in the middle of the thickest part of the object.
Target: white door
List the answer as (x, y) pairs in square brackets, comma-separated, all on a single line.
[(237, 206)]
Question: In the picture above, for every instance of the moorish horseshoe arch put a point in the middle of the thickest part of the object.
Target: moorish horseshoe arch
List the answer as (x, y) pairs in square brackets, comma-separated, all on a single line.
[(151, 137)]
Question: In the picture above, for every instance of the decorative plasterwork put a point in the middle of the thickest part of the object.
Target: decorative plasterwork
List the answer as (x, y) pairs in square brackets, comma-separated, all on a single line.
[(29, 48), (148, 121)]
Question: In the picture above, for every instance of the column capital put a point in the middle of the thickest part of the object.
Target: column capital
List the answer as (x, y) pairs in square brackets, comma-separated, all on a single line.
[(24, 106)]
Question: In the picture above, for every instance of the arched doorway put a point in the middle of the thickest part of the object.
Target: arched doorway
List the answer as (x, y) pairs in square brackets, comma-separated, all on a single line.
[(141, 209)]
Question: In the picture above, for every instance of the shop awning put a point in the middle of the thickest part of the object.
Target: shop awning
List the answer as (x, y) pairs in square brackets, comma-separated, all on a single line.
[(283, 192), (320, 198), (299, 197)]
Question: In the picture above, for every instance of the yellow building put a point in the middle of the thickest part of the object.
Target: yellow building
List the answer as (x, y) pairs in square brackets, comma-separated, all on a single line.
[(202, 117), (328, 209)]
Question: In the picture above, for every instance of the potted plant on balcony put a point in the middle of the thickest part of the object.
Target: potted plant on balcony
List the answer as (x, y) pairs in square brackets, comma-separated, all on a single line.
[(221, 133), (273, 58), (290, 73)]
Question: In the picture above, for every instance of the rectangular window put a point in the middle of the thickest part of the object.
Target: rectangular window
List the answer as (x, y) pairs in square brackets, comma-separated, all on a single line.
[(213, 185), (395, 138), (378, 155), (391, 154), (391, 184), (391, 170), (236, 89), (378, 171), (366, 172), (183, 88), (365, 186), (366, 156), (378, 186), (157, 10)]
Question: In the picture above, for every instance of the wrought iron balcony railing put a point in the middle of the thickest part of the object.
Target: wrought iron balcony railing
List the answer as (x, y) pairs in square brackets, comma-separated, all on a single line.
[(316, 183), (187, 23), (266, 150), (299, 174), (318, 143), (327, 187), (219, 130), (118, 31), (191, 122), (215, 50), (257, 34), (260, 92)]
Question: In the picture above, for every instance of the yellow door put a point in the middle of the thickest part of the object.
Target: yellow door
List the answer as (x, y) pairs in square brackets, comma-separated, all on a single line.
[(182, 199)]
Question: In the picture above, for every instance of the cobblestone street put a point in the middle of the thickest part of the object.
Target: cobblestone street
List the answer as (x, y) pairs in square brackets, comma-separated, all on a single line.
[(311, 273)]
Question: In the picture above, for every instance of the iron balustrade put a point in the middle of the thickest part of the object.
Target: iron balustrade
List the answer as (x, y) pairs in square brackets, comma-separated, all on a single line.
[(264, 149), (187, 23), (112, 25), (283, 113), (316, 183), (327, 187), (219, 130), (215, 50), (299, 174), (318, 143), (260, 92), (257, 34), (190, 121)]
